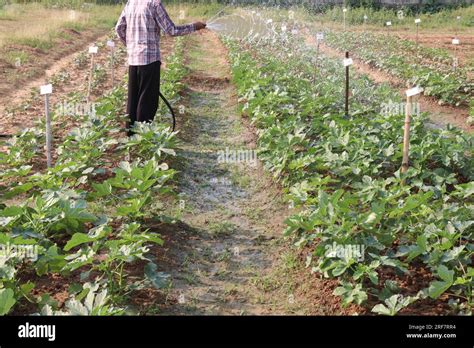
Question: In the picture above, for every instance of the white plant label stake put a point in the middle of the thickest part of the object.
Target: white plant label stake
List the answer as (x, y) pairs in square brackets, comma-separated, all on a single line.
[(406, 134), (319, 38), (365, 21), (417, 22), (456, 43), (347, 62), (389, 24), (344, 10), (46, 90), (111, 45), (92, 51)]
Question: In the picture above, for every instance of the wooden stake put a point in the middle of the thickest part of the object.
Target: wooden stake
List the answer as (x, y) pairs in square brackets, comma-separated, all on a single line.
[(92, 51), (347, 87), (417, 42), (91, 74), (49, 133), (46, 90), (406, 136)]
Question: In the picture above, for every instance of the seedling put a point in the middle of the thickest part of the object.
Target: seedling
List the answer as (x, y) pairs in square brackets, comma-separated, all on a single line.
[(46, 90)]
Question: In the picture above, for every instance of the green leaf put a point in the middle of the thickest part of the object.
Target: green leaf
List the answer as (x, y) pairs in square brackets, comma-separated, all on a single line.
[(159, 280), (77, 239), (18, 190), (11, 211), (7, 300), (381, 309), (445, 274), (102, 189), (437, 288)]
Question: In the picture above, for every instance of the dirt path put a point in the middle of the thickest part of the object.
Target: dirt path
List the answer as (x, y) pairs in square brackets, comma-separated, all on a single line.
[(439, 115), (227, 255)]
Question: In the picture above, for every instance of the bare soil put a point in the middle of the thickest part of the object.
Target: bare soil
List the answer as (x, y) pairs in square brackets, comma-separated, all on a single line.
[(41, 64)]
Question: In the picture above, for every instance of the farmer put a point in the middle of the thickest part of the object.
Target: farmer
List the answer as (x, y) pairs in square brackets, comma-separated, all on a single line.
[(139, 29)]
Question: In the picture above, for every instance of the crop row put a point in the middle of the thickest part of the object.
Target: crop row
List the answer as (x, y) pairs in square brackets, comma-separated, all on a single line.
[(85, 219), (366, 223), (427, 67)]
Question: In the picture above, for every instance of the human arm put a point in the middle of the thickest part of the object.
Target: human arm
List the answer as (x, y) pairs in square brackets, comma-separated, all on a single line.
[(168, 26), (121, 28)]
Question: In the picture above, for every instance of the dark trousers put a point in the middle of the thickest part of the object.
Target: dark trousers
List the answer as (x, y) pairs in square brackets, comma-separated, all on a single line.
[(143, 93)]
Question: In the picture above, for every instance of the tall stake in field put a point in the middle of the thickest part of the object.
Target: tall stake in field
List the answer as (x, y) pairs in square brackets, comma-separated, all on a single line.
[(319, 38), (456, 43), (46, 90), (458, 25), (347, 63), (388, 24), (406, 134), (417, 22), (406, 137), (92, 51), (344, 10)]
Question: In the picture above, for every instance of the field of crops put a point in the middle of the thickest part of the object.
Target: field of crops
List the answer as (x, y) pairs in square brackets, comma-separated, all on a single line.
[(91, 198), (167, 222), (349, 184)]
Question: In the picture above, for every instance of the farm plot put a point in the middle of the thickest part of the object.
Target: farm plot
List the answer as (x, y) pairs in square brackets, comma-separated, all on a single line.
[(416, 228), (316, 217), (89, 218), (428, 67)]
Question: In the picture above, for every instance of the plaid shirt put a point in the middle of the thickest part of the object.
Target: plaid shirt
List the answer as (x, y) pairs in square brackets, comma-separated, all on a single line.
[(139, 29)]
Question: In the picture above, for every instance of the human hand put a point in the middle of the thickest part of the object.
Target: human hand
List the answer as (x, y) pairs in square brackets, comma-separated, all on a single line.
[(199, 25)]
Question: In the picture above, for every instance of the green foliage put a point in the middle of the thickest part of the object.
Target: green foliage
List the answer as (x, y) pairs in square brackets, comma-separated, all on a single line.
[(393, 305), (152, 139), (343, 175), (430, 68), (85, 215)]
